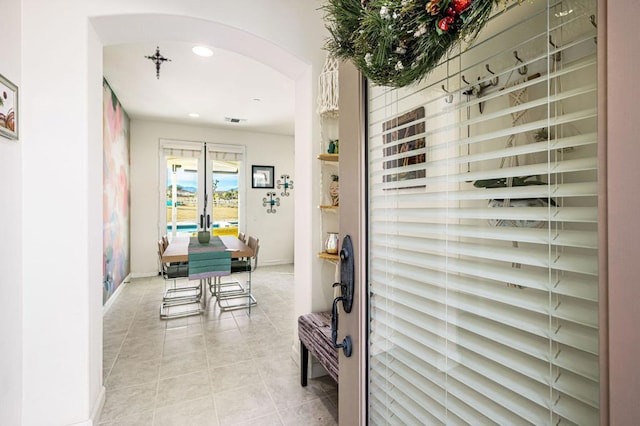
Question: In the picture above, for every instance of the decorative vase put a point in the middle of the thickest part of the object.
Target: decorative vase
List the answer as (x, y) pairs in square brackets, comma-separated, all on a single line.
[(204, 237), (332, 242)]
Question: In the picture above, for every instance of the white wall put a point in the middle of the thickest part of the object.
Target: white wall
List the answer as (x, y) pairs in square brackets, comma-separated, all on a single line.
[(10, 227), (274, 230), (58, 68)]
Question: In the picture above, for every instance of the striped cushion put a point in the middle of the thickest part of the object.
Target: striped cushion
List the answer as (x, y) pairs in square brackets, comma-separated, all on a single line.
[(314, 330)]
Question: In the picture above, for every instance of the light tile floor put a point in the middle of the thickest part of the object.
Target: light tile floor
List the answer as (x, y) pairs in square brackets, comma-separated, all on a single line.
[(212, 369)]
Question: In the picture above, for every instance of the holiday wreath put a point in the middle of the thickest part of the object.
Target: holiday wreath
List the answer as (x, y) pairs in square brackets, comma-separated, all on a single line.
[(397, 42)]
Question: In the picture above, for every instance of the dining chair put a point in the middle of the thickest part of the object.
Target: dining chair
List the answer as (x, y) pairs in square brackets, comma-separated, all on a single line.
[(240, 297), (177, 295), (242, 237)]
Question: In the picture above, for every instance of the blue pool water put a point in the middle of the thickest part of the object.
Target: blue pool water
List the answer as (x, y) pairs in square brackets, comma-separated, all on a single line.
[(192, 227)]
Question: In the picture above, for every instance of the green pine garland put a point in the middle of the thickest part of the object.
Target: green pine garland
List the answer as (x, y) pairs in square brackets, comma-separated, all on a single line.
[(398, 42)]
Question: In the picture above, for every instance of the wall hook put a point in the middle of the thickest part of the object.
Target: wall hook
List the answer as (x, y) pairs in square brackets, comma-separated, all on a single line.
[(449, 98), (465, 80), (592, 18), (285, 185), (523, 70), (271, 202), (494, 81)]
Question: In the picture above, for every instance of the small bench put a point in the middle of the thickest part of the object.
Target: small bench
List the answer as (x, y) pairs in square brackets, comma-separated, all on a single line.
[(314, 331)]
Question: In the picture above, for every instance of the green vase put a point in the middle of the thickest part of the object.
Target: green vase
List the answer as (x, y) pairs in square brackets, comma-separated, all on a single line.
[(204, 237)]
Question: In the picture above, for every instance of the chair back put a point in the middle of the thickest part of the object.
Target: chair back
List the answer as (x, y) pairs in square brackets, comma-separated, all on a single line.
[(242, 237), (165, 242), (254, 244), (161, 264)]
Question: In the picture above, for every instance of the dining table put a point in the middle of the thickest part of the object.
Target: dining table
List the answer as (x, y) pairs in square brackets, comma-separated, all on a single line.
[(178, 251), (178, 248)]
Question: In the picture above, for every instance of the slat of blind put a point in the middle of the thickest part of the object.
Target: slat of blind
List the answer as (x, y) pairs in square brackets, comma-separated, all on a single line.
[(482, 356), (560, 214), (573, 262), (571, 309), (476, 409), (569, 333), (489, 399), (585, 365), (378, 106), (396, 413), (557, 237), (581, 164), (576, 412), (531, 148), (579, 189), (418, 393), (375, 152), (576, 387), (581, 286)]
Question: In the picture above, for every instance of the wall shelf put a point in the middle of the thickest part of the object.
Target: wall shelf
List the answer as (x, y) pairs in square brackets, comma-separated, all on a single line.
[(330, 208), (326, 256), (329, 157)]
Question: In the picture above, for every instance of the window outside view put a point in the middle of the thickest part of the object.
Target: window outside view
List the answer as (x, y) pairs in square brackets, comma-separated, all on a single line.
[(182, 206)]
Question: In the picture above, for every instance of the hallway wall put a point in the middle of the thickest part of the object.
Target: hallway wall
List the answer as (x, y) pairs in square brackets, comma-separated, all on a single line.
[(10, 231), (61, 378)]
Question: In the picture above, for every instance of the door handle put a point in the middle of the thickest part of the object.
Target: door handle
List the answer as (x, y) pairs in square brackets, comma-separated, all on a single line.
[(346, 290), (346, 342)]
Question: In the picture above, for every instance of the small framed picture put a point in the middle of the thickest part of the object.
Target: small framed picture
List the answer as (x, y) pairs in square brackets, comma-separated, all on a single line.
[(8, 109), (262, 176)]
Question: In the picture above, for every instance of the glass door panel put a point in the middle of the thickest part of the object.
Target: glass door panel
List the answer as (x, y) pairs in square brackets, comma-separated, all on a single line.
[(182, 186), (483, 229), (224, 197)]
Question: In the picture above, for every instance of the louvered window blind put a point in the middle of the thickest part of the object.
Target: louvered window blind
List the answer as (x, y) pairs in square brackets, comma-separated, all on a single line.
[(483, 276)]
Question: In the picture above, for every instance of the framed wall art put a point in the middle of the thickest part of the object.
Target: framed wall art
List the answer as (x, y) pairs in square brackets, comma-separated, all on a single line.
[(405, 141), (262, 176), (8, 109)]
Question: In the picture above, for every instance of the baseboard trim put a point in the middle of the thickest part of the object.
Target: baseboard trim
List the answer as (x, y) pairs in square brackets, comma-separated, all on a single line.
[(276, 262), (114, 296), (98, 406), (144, 274), (94, 420)]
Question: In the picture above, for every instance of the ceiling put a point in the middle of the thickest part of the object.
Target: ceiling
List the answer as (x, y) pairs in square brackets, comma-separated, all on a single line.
[(223, 86)]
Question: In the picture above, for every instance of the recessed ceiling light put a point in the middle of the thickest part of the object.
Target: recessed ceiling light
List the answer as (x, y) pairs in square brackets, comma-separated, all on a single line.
[(194, 115), (202, 51)]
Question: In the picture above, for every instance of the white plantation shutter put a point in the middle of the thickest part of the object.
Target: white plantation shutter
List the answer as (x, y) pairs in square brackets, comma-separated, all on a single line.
[(222, 152), (180, 149), (484, 301)]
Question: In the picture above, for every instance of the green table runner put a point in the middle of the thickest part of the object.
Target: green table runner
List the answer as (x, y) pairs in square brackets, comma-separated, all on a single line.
[(208, 260)]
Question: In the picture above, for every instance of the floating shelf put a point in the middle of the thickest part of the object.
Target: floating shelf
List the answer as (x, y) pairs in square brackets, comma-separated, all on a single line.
[(327, 256), (329, 207), (329, 157)]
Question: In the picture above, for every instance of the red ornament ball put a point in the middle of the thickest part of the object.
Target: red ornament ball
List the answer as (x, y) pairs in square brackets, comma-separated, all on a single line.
[(443, 24), (461, 5)]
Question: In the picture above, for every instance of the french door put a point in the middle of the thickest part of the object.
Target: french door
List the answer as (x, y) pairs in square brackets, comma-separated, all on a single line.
[(481, 280), (200, 186)]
